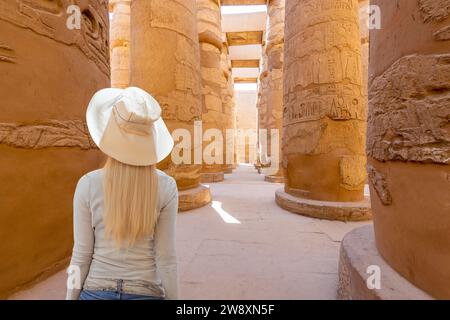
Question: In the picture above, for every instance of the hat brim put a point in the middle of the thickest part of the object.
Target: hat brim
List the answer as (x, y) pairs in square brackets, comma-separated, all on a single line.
[(127, 148)]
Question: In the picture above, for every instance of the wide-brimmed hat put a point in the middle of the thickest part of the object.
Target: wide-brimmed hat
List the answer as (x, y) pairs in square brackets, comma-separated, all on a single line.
[(126, 125)]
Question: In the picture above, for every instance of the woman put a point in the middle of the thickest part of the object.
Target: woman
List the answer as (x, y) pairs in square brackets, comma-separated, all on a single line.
[(125, 213)]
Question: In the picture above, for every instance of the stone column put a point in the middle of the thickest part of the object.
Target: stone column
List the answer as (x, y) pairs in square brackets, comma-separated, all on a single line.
[(120, 43), (210, 38), (263, 83), (165, 62), (364, 34), (324, 121), (228, 103), (274, 49), (48, 75), (408, 140)]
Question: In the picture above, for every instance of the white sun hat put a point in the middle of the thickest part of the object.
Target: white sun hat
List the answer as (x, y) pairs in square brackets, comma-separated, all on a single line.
[(126, 125)]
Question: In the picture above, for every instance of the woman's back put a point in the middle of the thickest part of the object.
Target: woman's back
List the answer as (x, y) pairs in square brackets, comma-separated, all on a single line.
[(148, 266)]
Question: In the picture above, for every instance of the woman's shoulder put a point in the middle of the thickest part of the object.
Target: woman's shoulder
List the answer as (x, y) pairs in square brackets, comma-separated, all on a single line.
[(165, 181), (90, 177)]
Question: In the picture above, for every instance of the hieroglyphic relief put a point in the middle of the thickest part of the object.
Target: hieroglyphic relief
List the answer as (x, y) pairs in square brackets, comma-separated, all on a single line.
[(324, 110), (53, 133), (7, 54), (409, 115), (43, 17)]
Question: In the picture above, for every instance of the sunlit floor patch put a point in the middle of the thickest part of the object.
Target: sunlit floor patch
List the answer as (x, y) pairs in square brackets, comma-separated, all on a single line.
[(228, 218)]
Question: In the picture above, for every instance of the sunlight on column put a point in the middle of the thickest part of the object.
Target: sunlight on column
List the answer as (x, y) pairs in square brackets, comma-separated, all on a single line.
[(228, 218)]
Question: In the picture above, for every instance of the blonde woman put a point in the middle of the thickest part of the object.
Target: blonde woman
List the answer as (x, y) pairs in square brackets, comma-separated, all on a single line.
[(125, 213)]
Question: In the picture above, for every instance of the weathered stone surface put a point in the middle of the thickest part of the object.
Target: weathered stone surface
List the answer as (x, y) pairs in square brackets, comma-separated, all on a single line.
[(211, 177), (358, 253), (343, 211), (213, 116), (409, 117), (274, 92), (48, 74), (324, 120), (409, 141), (53, 133), (165, 62), (120, 43), (194, 198)]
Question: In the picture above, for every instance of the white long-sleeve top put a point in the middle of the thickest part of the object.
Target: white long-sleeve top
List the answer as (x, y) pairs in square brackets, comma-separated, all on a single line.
[(152, 260)]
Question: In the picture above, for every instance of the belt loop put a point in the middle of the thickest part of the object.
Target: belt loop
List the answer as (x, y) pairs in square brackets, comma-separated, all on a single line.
[(119, 286)]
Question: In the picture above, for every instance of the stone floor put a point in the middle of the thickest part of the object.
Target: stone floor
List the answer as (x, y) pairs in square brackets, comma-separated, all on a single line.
[(243, 246)]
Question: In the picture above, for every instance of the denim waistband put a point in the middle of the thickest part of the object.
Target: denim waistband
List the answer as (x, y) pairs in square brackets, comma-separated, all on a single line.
[(138, 287)]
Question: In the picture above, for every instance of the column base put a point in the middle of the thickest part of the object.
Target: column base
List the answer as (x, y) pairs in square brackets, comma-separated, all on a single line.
[(274, 179), (194, 198), (358, 252), (228, 170), (211, 177), (343, 211)]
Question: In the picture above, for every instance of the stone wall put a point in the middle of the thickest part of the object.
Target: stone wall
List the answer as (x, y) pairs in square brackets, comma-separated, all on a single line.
[(48, 75)]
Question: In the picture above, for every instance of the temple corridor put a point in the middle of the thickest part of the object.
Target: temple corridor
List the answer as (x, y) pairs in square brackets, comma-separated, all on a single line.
[(243, 246)]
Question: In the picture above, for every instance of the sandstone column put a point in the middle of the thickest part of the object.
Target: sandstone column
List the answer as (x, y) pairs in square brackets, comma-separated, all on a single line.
[(324, 116), (209, 32), (165, 62), (263, 83), (48, 74), (228, 104), (120, 43), (274, 49), (364, 34), (408, 141)]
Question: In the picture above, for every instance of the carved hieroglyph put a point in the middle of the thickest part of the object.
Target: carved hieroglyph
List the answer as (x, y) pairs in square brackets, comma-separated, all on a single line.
[(324, 114), (165, 62), (120, 43), (274, 92), (48, 74), (408, 140), (209, 31)]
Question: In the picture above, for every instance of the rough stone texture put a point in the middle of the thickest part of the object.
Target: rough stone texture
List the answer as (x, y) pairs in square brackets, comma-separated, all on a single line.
[(343, 211), (229, 106), (358, 253), (409, 141), (194, 198), (275, 56), (213, 117), (48, 75), (274, 178), (261, 105), (211, 177), (364, 34), (120, 43), (165, 62), (324, 122)]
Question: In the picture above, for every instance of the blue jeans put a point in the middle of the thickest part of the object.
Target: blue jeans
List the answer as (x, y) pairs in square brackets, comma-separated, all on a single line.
[(111, 295)]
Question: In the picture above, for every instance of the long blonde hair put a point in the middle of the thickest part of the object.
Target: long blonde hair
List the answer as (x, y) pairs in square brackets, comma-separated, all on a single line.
[(130, 198)]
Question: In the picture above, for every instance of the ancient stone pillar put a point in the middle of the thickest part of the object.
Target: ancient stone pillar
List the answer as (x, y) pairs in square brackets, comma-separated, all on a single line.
[(120, 43), (324, 117), (274, 51), (364, 34), (408, 140), (48, 74), (263, 84), (227, 106), (165, 62), (210, 38)]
